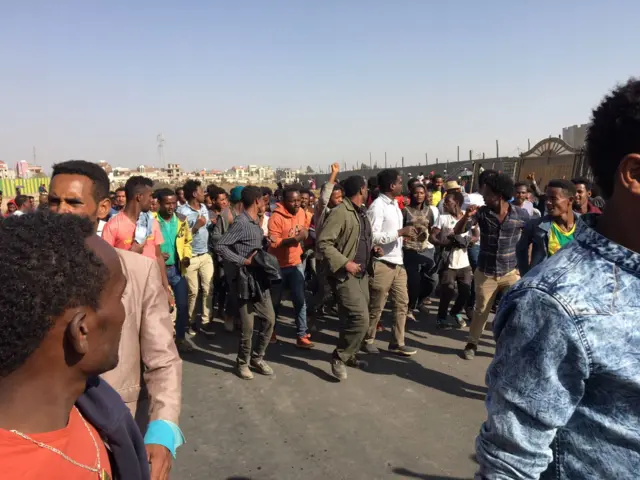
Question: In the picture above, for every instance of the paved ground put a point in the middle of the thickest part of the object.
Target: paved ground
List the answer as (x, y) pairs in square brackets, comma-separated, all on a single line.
[(399, 418)]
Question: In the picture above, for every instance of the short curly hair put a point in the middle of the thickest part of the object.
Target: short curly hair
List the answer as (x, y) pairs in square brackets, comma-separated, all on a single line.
[(189, 188), (614, 133), (92, 171), (45, 269), (135, 185), (500, 184)]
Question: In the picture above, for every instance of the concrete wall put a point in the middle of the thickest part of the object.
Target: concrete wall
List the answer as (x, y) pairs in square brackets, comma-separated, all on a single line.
[(452, 169)]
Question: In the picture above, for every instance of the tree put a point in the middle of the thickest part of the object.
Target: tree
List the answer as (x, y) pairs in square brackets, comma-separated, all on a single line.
[(364, 166), (309, 169)]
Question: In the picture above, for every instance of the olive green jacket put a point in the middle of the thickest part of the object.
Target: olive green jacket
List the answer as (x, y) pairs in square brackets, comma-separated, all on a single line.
[(338, 240)]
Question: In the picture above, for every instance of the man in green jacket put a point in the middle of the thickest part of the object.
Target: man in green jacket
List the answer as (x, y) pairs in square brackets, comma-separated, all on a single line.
[(345, 243)]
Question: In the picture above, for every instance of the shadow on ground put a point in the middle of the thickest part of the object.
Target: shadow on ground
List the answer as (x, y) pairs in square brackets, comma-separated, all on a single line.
[(213, 350), (404, 472)]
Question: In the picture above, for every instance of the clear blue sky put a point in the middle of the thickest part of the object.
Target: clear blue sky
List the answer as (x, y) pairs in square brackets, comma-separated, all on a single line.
[(302, 82)]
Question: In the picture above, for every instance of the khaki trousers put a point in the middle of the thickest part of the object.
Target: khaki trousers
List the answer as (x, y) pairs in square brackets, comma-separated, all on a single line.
[(200, 274), (487, 287), (387, 280)]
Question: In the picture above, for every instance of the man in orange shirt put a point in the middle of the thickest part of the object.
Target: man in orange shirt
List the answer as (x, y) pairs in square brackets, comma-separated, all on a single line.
[(55, 414), (288, 229)]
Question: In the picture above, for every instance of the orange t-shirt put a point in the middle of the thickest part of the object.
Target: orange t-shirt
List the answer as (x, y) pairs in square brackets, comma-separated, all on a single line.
[(283, 225), (21, 459), (120, 230)]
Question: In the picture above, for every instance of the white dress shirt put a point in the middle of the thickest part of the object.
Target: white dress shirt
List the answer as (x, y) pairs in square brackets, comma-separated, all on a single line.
[(386, 220)]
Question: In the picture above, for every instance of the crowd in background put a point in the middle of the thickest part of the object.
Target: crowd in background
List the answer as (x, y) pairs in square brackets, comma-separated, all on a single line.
[(96, 336)]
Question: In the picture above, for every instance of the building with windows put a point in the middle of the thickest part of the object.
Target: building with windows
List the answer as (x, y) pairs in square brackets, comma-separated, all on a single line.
[(6, 172), (575, 135)]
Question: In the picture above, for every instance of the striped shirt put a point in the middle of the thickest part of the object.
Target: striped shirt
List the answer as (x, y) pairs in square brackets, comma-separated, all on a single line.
[(243, 237), (498, 240)]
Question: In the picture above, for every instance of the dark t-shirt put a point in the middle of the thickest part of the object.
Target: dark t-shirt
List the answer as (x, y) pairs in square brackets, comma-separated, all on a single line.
[(363, 252)]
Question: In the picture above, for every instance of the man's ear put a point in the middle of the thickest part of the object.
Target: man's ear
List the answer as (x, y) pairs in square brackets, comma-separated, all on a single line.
[(78, 331), (104, 206), (629, 173)]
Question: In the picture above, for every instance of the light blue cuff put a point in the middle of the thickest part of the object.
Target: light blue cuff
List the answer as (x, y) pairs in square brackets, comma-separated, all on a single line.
[(165, 433)]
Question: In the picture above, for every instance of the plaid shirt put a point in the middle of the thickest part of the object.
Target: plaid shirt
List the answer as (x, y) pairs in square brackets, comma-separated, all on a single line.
[(498, 240), (243, 237)]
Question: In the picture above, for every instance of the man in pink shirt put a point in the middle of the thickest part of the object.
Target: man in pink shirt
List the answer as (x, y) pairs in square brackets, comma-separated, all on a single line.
[(134, 228)]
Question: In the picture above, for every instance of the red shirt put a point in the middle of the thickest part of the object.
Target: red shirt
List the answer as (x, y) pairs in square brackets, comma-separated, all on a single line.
[(21, 459), (120, 230), (591, 208)]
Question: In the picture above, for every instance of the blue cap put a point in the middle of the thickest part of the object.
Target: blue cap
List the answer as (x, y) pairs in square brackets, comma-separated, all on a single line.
[(236, 193)]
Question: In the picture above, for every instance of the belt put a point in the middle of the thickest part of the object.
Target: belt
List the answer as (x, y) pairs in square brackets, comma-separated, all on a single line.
[(199, 254)]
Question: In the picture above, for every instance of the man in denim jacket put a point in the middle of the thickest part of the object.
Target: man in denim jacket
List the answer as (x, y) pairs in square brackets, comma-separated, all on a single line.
[(564, 386)]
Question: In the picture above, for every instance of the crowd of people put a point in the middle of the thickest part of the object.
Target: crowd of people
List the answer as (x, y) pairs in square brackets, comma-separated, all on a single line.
[(563, 385)]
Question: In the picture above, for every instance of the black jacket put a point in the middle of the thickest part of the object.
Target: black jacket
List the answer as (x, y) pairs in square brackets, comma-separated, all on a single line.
[(267, 266), (250, 282), (103, 408)]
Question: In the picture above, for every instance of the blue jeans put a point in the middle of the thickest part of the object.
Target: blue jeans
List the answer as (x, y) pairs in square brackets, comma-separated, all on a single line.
[(292, 280), (179, 287)]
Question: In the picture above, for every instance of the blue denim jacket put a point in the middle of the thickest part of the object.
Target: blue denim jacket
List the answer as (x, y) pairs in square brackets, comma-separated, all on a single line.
[(564, 386)]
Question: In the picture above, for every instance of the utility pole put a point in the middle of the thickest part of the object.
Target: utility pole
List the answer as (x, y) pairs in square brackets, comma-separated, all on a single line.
[(385, 159), (470, 155), (402, 162), (436, 160), (426, 159), (160, 142), (497, 149), (528, 144), (370, 163), (458, 157)]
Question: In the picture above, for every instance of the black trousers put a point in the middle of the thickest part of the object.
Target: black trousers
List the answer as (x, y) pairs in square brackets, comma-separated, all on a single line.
[(449, 278), (421, 283)]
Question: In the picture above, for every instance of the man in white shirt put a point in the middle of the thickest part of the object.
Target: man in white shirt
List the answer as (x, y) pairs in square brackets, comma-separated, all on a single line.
[(456, 270), (389, 275)]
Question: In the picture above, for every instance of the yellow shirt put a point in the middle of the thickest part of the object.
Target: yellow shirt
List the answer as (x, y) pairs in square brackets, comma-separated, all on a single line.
[(437, 196), (558, 238)]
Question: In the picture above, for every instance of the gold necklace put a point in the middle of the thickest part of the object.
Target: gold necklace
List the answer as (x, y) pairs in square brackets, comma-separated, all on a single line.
[(102, 474)]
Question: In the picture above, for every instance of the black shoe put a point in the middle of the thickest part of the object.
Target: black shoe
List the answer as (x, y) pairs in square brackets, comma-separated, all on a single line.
[(339, 369), (354, 362), (469, 313), (402, 351), (370, 348), (442, 324), (469, 352), (207, 328)]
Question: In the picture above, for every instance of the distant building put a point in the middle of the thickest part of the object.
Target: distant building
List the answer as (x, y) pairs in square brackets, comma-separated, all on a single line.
[(22, 169), (34, 170), (288, 175), (575, 135), (6, 172), (105, 166), (174, 171)]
